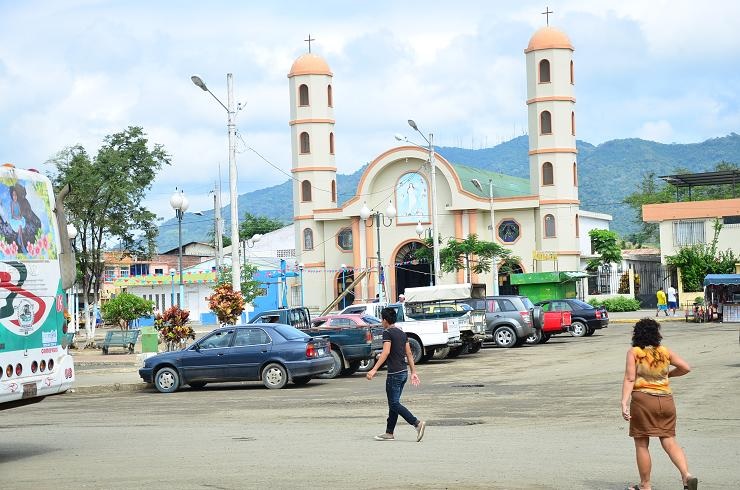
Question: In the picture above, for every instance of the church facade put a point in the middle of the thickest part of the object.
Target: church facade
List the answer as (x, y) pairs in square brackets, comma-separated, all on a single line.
[(538, 219)]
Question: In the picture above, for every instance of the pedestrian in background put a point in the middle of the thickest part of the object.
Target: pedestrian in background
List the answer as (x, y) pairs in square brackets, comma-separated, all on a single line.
[(662, 303), (647, 400), (672, 299), (395, 348)]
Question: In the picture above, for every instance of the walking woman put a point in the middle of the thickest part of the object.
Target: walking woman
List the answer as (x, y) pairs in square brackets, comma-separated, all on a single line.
[(652, 413)]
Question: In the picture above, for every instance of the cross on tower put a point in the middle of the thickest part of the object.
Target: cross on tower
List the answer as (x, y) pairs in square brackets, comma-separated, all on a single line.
[(309, 42), (546, 13)]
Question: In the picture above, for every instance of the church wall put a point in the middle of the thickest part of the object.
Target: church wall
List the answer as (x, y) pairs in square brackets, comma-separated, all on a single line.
[(559, 73), (317, 96)]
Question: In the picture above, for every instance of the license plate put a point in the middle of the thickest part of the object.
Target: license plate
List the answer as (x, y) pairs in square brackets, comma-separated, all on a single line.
[(377, 337), (321, 351), (29, 390)]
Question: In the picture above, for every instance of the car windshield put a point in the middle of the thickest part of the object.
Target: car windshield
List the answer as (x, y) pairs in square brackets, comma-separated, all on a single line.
[(371, 320), (318, 323), (581, 305), (527, 303), (290, 333)]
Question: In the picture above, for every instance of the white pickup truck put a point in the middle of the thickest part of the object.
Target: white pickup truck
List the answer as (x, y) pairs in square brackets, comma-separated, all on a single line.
[(425, 336)]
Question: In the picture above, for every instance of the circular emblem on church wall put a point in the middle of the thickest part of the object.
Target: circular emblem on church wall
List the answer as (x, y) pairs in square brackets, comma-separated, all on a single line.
[(508, 231)]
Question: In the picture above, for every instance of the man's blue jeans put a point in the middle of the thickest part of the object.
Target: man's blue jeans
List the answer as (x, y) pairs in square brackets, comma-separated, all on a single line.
[(393, 388)]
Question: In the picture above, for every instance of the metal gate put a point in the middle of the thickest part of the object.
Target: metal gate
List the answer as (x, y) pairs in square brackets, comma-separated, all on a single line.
[(649, 276)]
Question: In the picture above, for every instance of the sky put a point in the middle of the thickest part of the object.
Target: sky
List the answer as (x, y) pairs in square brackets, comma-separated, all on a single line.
[(74, 71)]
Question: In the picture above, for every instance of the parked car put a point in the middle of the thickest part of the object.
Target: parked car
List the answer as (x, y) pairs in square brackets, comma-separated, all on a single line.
[(585, 319), (298, 317), (354, 338), (555, 322), (509, 319), (272, 353)]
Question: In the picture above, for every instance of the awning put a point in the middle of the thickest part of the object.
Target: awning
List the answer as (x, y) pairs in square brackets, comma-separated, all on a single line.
[(722, 279)]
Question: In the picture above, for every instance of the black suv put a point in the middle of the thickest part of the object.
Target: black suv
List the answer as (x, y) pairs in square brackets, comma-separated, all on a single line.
[(509, 319)]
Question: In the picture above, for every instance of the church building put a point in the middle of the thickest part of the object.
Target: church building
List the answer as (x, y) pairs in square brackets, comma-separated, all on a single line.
[(538, 219)]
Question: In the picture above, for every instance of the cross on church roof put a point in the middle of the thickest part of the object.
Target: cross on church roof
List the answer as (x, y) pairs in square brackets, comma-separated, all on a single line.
[(546, 13), (309, 42)]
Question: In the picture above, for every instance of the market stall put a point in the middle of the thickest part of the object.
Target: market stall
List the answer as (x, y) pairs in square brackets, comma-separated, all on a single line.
[(722, 294)]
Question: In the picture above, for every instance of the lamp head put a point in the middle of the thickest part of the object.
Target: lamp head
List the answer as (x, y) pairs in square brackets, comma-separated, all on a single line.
[(256, 237), (419, 229), (413, 125), (398, 137), (176, 200), (301, 265), (71, 231), (365, 212), (343, 266), (390, 211), (477, 185), (199, 83)]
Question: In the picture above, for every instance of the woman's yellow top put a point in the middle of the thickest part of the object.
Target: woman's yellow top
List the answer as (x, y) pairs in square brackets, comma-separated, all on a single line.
[(652, 365)]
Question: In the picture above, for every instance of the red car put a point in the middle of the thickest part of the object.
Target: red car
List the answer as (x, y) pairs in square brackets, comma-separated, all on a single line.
[(555, 322)]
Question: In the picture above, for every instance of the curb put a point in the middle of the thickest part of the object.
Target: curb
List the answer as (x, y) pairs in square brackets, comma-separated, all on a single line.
[(112, 388)]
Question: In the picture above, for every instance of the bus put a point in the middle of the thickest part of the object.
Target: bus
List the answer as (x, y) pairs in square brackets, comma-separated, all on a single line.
[(37, 266)]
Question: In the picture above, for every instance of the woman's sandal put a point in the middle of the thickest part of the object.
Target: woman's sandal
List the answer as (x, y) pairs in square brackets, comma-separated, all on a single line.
[(692, 483), (636, 486)]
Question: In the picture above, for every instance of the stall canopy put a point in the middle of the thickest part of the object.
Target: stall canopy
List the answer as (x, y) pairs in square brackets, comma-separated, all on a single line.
[(722, 279)]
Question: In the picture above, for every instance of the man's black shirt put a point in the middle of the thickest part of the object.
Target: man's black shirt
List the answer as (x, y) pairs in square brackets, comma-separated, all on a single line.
[(397, 358)]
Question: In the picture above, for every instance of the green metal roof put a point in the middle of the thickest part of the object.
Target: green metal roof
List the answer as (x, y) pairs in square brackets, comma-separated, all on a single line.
[(503, 185)]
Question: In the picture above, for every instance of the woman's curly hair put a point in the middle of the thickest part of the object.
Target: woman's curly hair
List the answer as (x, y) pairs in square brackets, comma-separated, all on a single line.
[(646, 332)]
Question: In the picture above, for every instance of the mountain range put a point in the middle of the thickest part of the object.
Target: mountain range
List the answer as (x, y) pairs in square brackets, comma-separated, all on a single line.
[(607, 173)]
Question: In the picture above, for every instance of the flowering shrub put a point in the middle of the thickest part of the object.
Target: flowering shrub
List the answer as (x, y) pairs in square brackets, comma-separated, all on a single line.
[(172, 327), (226, 303)]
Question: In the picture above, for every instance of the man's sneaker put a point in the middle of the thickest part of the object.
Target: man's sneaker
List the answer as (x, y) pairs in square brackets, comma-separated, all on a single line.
[(420, 430), (385, 437)]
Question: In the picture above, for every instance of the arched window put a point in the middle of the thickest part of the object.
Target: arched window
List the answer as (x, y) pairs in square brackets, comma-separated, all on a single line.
[(303, 95), (545, 122), (344, 239), (544, 71), (306, 191), (305, 143), (547, 178), (549, 226), (308, 239), (333, 191), (578, 228), (572, 79), (331, 143), (329, 97), (573, 123), (575, 174)]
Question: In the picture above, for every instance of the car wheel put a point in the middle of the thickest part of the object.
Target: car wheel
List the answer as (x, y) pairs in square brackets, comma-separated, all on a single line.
[(197, 384), (352, 369), (167, 380), (505, 336), (274, 376), (538, 317), (336, 367), (366, 365), (427, 356), (301, 380), (545, 338), (416, 350), (441, 353), (590, 331), (535, 338), (475, 347), (578, 329), (455, 352)]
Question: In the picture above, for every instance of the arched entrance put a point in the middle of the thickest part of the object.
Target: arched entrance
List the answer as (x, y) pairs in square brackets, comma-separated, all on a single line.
[(504, 281), (344, 279), (410, 272)]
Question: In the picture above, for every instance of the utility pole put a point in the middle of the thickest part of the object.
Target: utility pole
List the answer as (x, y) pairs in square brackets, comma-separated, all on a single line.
[(218, 223)]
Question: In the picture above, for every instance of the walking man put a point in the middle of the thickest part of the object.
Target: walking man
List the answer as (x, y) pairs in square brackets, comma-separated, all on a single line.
[(395, 348), (662, 303), (672, 300)]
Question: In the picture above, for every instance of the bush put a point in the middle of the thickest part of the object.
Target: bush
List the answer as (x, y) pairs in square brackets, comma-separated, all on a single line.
[(125, 308), (616, 304), (172, 327)]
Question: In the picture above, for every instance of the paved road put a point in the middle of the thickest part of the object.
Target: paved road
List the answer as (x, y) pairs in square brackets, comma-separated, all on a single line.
[(530, 418)]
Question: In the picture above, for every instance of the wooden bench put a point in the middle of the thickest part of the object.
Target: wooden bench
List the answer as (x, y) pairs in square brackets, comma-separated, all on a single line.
[(120, 338)]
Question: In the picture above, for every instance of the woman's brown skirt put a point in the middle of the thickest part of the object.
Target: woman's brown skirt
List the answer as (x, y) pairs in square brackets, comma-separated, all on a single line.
[(652, 415)]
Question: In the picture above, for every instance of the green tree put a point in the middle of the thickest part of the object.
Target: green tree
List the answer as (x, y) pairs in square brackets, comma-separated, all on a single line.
[(471, 254), (250, 286), (253, 225), (125, 308), (106, 202), (696, 261), (605, 244)]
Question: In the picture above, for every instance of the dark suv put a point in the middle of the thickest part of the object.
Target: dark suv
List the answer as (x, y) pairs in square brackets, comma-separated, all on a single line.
[(509, 319)]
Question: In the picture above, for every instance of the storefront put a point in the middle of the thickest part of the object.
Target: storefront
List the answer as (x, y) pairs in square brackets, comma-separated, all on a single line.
[(722, 293)]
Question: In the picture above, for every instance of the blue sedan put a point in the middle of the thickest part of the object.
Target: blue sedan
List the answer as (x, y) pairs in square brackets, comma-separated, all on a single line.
[(272, 353)]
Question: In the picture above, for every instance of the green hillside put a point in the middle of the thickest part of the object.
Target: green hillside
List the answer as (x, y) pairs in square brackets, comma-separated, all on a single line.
[(607, 173)]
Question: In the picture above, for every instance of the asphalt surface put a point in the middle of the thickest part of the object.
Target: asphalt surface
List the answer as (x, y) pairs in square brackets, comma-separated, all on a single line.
[(535, 417)]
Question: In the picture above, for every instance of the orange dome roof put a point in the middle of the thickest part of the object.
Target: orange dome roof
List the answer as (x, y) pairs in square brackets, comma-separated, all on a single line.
[(309, 64), (548, 38)]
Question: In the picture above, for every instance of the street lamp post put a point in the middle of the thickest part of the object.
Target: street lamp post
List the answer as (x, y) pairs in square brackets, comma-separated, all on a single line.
[(390, 213), (433, 183), (249, 243), (172, 282), (180, 204), (344, 299), (231, 113), (420, 230), (300, 270), (72, 234), (494, 267)]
